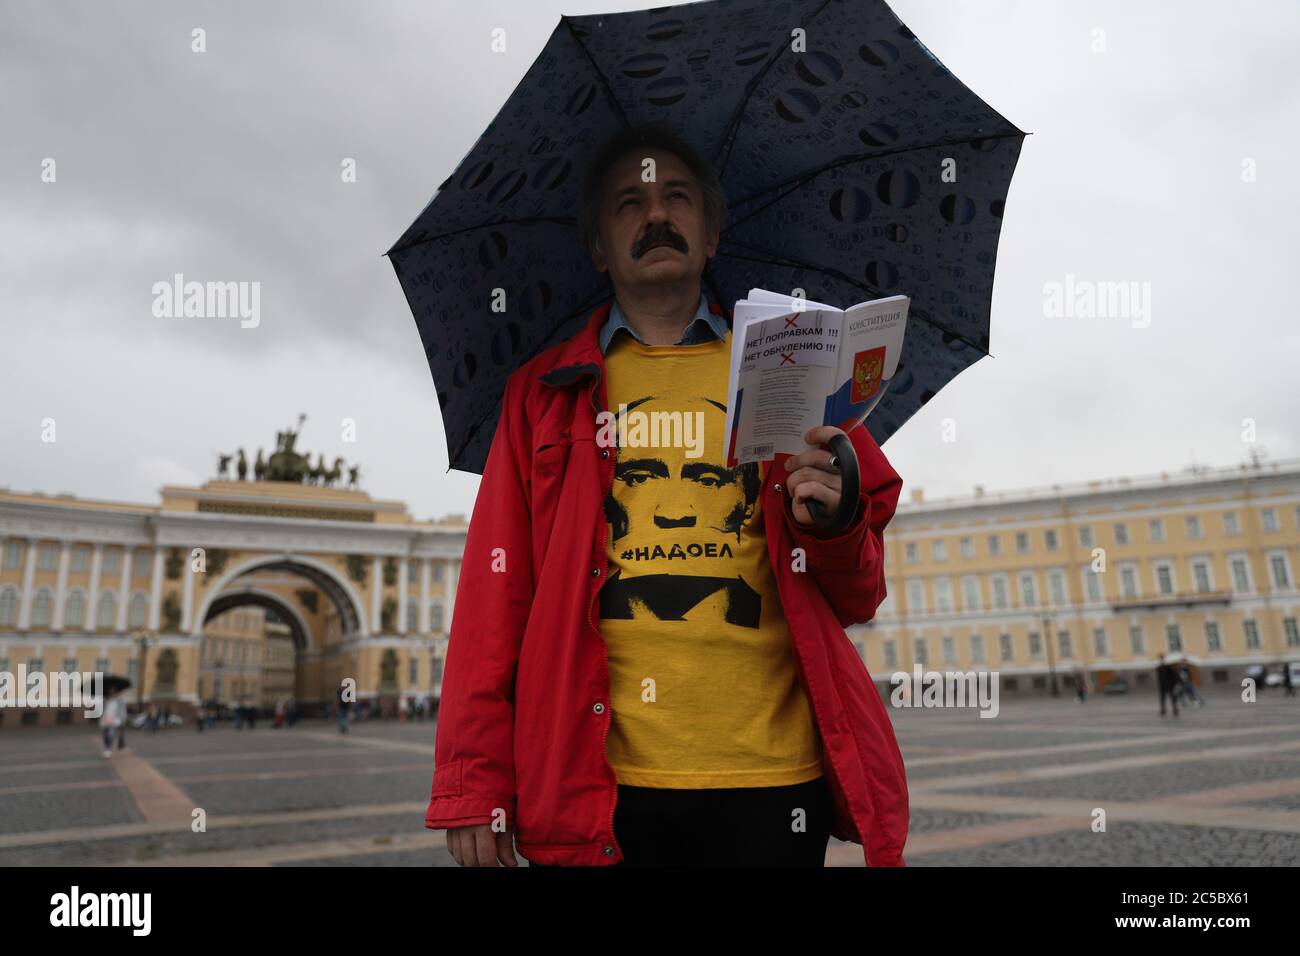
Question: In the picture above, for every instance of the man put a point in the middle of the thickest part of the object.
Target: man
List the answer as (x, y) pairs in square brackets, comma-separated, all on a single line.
[(717, 713), (1167, 682)]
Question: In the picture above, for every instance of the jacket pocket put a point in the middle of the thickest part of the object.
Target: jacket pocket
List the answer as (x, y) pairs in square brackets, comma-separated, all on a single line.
[(446, 780)]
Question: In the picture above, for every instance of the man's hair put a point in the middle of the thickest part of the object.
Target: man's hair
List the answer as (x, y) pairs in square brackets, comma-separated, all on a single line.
[(645, 136)]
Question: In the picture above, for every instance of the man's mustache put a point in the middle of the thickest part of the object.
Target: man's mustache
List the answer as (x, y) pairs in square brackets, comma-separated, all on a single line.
[(662, 237)]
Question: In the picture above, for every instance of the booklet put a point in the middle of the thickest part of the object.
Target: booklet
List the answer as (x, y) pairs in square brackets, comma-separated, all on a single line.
[(796, 364)]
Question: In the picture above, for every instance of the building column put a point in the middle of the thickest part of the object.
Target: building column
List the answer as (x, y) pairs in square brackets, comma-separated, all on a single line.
[(453, 579), (124, 588), (61, 588), (426, 573), (187, 595), (29, 582), (96, 565), (155, 591), (403, 570), (377, 589)]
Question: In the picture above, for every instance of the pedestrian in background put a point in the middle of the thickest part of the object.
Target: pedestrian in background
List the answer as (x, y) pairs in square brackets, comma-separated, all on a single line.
[(1167, 682), (112, 722)]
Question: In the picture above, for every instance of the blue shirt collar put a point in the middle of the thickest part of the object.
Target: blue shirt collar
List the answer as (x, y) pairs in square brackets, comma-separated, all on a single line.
[(703, 328)]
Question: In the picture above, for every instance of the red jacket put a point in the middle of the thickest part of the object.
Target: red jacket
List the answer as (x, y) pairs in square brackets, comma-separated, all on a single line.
[(525, 694)]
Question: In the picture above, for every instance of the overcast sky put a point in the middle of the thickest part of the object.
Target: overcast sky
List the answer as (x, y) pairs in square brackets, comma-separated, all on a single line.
[(226, 165)]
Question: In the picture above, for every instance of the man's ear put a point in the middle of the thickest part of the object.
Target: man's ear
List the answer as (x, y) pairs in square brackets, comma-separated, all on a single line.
[(598, 257), (712, 248)]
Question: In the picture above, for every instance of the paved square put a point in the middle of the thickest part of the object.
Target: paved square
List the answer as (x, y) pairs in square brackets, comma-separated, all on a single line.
[(1219, 785)]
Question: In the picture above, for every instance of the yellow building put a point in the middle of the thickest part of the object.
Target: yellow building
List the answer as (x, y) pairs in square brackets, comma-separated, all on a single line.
[(1102, 576), (358, 588)]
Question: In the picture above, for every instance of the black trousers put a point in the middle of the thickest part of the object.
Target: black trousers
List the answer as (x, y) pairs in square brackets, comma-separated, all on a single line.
[(745, 826)]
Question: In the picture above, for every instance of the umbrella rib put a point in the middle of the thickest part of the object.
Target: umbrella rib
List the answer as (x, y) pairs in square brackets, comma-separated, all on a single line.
[(798, 182), (609, 93), (733, 124), (782, 260), (555, 220)]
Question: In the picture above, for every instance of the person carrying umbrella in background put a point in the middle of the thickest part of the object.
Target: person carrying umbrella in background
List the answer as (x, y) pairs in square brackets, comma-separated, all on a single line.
[(113, 721)]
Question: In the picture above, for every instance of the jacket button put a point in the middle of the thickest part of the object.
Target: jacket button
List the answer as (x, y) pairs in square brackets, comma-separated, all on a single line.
[(595, 572), (604, 453), (598, 707), (776, 488), (609, 851)]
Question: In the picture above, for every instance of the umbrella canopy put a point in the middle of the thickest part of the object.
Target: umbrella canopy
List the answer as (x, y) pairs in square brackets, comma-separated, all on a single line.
[(855, 166), (114, 683)]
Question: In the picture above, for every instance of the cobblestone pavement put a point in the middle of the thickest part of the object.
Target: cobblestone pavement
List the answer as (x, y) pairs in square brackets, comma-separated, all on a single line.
[(1218, 785)]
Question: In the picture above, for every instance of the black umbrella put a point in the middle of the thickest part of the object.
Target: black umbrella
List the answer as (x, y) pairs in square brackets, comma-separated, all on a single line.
[(855, 164)]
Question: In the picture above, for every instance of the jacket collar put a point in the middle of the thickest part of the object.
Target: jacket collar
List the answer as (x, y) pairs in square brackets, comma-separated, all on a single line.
[(580, 354)]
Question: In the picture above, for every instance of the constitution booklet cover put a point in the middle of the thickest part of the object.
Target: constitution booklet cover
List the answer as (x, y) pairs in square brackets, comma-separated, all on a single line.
[(796, 364)]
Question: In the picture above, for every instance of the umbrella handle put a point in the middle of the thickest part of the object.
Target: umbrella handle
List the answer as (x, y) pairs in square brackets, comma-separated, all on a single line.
[(850, 489)]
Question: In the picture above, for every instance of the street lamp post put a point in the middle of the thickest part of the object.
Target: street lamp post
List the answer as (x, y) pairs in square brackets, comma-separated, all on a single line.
[(1051, 657), (142, 638)]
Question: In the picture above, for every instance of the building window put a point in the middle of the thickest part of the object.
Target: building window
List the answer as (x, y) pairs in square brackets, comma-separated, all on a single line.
[(995, 544), (1121, 533), (1100, 646), (437, 570), (1049, 538), (13, 554), (35, 664), (1268, 516), (1085, 536), (943, 594), (1056, 582), (413, 671), (1230, 525), (1156, 526), (46, 557), (921, 652), (1281, 576), (891, 654), (1136, 640), (1035, 646), (101, 665), (1027, 596), (79, 556), (41, 609), (1251, 630), (1212, 640), (1128, 581), (1022, 542), (137, 611), (1064, 642), (1193, 526), (8, 606), (976, 649), (970, 592), (1201, 575), (140, 564), (1241, 575), (915, 597), (104, 613), (412, 616), (412, 573), (939, 549), (436, 617), (1005, 647), (1174, 638), (1092, 585), (949, 651), (1164, 579), (909, 552), (1292, 632), (967, 548), (74, 612), (999, 591)]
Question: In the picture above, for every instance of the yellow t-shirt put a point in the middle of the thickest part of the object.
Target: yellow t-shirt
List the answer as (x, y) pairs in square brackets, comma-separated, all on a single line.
[(704, 689)]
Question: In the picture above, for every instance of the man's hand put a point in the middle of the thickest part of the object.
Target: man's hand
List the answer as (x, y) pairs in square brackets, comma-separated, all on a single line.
[(479, 846), (809, 475)]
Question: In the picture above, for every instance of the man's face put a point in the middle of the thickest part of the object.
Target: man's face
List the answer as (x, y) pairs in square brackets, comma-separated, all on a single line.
[(652, 233)]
